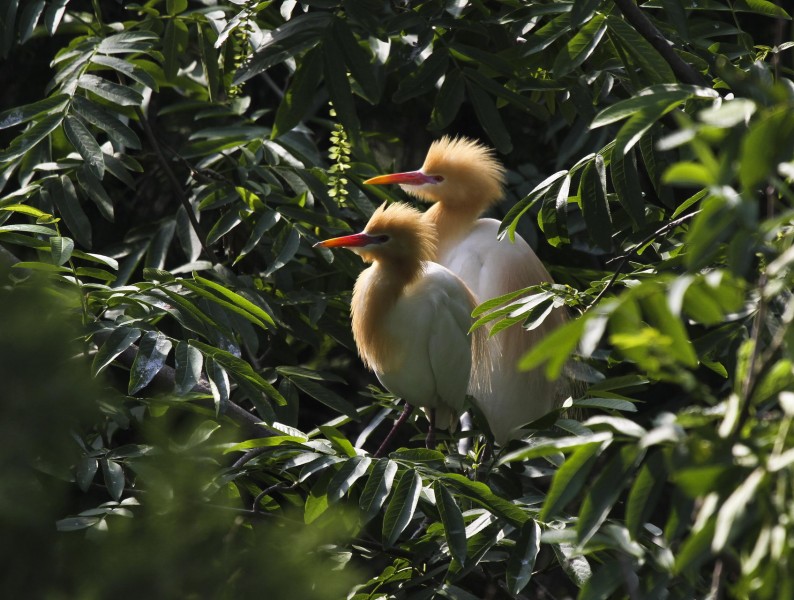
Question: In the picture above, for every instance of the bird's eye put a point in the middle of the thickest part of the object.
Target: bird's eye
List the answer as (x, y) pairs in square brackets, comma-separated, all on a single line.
[(437, 178), (380, 239)]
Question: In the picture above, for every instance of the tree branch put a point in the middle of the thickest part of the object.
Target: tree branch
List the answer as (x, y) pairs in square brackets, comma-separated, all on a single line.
[(625, 258), (683, 70), (176, 186)]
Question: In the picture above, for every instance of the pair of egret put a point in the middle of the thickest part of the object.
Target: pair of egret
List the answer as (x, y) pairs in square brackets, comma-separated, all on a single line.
[(411, 310)]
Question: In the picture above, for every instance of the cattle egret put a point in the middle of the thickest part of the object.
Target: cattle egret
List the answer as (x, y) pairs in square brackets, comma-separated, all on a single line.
[(411, 317), (462, 178)]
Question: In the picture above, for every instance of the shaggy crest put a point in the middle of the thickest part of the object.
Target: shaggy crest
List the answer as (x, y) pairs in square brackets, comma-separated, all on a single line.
[(411, 237), (470, 170)]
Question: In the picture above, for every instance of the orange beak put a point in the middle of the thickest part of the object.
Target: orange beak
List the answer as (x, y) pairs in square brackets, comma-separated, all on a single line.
[(406, 178), (356, 240)]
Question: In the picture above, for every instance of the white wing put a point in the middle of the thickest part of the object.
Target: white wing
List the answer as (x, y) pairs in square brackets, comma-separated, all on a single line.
[(429, 326), (491, 268)]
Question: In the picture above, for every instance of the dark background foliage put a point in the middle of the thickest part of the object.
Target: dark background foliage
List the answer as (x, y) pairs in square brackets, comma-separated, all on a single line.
[(184, 413)]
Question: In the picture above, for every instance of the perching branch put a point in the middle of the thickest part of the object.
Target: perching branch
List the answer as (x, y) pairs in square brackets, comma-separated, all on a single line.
[(683, 70), (164, 382)]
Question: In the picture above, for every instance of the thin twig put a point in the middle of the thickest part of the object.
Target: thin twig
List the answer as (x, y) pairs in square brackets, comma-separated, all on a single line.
[(176, 186), (683, 70), (625, 258), (283, 485)]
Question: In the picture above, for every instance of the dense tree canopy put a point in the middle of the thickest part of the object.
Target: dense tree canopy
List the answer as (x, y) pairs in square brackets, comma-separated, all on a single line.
[(184, 413)]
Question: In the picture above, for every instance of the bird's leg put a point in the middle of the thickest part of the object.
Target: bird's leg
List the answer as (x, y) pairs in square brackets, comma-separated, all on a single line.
[(385, 444), (430, 440)]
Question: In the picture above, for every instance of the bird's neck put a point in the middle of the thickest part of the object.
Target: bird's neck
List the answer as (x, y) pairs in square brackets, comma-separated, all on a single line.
[(375, 294), (452, 223)]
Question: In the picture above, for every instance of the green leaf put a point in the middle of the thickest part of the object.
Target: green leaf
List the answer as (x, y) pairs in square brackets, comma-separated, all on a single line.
[(299, 96), (769, 9), (326, 396), (209, 60), (548, 34), (338, 440), (550, 446), (119, 134), (339, 89), (124, 67), (236, 299), (448, 101), (61, 249), (713, 225), (570, 478), (263, 225), (606, 403), (482, 494), (285, 253), (150, 359), (352, 470), (219, 384), (317, 501), (604, 492), (112, 92), (452, 519), (188, 364), (649, 99), (174, 45), (296, 35), (31, 12), (767, 143), (653, 65), (580, 47), (595, 206), (271, 442), (93, 189), (114, 478), (118, 341), (128, 41), (423, 78), (240, 370), (85, 144), (604, 582), (489, 118), (246, 314), (357, 60), (377, 488), (28, 139), (401, 507), (689, 173), (85, 471), (23, 114), (733, 516), (522, 558), (175, 7), (645, 492), (637, 126), (554, 349), (626, 181)]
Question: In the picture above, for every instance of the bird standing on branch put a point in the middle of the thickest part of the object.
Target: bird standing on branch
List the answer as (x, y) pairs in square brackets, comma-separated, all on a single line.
[(463, 178), (411, 317)]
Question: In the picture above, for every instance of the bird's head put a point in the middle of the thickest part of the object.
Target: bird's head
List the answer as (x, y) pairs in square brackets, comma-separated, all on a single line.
[(396, 233), (456, 172)]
